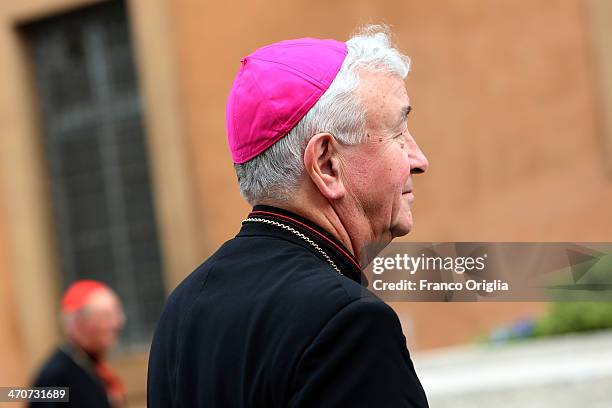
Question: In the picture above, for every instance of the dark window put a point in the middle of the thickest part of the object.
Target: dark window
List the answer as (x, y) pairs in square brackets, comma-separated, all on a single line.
[(97, 158)]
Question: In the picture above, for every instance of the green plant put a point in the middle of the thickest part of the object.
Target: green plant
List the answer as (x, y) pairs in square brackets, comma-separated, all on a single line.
[(568, 317)]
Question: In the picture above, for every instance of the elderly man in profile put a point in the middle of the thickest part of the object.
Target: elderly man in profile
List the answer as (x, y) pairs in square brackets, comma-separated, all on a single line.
[(278, 316), (92, 317)]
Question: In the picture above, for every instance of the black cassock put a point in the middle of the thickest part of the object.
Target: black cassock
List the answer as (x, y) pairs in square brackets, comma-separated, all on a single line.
[(266, 321)]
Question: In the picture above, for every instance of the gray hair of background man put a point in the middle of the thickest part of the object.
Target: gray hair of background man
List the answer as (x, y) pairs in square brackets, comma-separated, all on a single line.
[(275, 174)]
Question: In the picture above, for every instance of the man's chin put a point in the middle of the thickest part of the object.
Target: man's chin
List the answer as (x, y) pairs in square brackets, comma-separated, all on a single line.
[(403, 226)]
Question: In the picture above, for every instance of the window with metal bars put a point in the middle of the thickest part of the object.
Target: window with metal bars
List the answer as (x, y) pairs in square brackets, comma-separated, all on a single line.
[(94, 144)]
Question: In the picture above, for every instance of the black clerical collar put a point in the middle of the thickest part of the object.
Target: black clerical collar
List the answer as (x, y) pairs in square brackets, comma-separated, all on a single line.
[(339, 254)]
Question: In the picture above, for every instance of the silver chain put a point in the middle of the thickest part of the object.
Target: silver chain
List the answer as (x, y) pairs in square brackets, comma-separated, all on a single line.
[(299, 234)]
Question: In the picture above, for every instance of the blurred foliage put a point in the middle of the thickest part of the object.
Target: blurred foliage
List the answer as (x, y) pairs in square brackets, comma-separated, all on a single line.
[(583, 304), (569, 317), (568, 313)]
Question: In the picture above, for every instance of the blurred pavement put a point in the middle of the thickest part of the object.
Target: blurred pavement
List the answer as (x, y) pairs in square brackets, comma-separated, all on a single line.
[(566, 371)]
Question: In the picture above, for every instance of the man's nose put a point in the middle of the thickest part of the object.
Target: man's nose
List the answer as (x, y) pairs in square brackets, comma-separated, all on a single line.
[(418, 160)]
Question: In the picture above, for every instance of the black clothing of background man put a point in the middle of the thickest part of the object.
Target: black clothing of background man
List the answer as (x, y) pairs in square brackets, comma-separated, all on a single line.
[(72, 368), (267, 322)]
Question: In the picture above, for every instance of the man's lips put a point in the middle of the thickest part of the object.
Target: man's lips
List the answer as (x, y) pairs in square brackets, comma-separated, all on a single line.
[(409, 195)]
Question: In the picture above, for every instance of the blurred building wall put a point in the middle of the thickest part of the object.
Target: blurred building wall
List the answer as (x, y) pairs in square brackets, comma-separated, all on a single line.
[(31, 329), (507, 106), (11, 371)]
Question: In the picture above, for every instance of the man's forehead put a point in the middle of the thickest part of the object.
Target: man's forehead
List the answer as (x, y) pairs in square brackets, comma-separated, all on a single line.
[(385, 98), (103, 298), (381, 85)]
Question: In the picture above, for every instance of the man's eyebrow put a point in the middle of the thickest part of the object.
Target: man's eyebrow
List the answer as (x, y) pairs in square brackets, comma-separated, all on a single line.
[(404, 114)]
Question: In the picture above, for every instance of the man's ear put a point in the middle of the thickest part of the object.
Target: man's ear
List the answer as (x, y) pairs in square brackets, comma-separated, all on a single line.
[(322, 165)]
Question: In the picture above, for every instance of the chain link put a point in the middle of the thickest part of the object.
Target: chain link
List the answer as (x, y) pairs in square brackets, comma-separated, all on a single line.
[(299, 234)]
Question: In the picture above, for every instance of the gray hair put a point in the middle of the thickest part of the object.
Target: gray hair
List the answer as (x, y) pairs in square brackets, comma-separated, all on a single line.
[(275, 174)]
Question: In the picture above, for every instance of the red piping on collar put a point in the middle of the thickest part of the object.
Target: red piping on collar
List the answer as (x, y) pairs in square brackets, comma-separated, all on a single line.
[(313, 230)]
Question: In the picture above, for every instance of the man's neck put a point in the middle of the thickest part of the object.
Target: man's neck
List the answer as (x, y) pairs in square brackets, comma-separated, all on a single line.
[(352, 233)]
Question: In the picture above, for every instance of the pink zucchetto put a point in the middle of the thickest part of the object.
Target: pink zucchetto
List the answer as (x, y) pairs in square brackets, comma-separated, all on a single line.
[(275, 87)]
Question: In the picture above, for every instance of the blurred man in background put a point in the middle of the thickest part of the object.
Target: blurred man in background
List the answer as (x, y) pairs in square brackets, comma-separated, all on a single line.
[(278, 316), (92, 317)]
